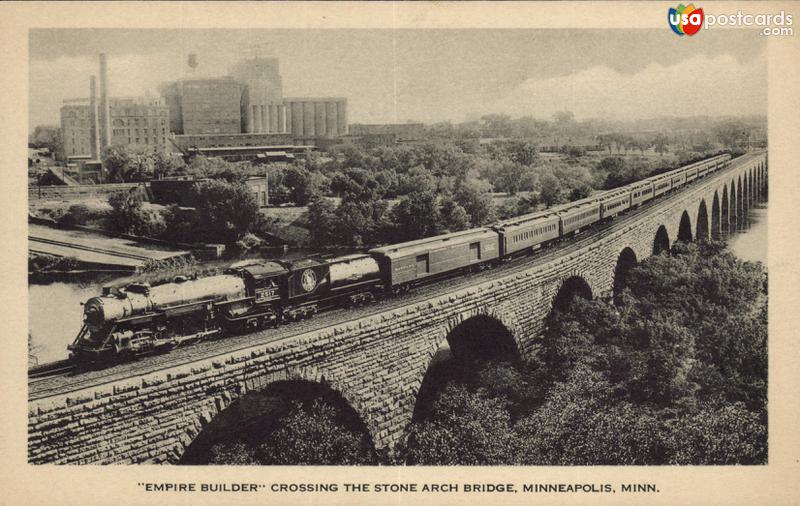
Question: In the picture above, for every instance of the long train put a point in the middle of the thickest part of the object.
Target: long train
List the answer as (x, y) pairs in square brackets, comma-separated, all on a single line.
[(251, 295)]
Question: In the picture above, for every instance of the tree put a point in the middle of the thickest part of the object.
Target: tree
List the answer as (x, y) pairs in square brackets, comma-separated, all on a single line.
[(453, 216), (417, 215), (166, 164), (181, 224), (129, 216), (361, 223), (322, 222), (564, 118), (509, 177), (551, 192), (303, 184), (474, 197), (732, 133), (237, 453), (464, 428), (660, 143), (523, 153), (116, 161), (48, 137), (357, 185), (718, 435), (226, 211), (313, 435), (581, 424)]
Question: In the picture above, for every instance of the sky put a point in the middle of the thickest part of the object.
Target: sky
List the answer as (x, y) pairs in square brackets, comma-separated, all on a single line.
[(429, 75)]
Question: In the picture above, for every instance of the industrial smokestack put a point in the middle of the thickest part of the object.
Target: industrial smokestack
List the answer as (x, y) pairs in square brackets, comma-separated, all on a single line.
[(105, 131), (94, 127)]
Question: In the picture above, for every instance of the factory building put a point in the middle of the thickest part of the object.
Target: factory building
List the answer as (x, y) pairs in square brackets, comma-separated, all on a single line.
[(140, 121), (76, 128), (316, 117), (211, 106), (90, 125), (248, 109), (263, 110)]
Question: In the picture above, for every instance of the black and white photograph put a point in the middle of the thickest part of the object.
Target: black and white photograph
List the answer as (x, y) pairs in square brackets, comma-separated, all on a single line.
[(362, 246)]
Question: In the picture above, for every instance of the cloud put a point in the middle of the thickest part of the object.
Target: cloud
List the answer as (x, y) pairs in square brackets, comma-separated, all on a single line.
[(699, 85)]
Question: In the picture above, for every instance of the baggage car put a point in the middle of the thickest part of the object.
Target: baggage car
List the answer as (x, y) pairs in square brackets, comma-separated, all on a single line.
[(407, 263)]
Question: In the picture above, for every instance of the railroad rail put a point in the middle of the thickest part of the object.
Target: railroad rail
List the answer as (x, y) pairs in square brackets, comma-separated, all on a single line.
[(50, 370)]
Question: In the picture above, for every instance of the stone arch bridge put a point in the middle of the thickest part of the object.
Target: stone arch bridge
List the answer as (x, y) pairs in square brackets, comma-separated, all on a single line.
[(377, 363)]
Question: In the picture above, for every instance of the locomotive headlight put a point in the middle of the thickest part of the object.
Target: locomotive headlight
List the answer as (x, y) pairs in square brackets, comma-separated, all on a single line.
[(93, 314)]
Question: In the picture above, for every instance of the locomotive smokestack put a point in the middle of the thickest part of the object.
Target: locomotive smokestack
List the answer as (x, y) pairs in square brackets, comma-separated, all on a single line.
[(94, 128), (105, 137)]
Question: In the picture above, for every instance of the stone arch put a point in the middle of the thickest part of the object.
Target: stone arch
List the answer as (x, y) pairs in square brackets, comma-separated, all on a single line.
[(716, 229), (734, 222), (254, 413), (625, 260), (739, 200), (661, 240), (685, 228), (479, 337), (745, 195), (725, 216), (759, 182), (573, 286), (482, 336), (702, 221)]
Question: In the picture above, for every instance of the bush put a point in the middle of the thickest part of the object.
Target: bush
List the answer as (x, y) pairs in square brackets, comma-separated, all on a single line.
[(721, 435), (225, 211), (76, 214), (464, 428), (181, 225), (248, 242), (313, 434)]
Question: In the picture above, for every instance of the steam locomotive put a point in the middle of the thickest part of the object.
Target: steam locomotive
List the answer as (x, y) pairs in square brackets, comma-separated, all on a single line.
[(251, 295)]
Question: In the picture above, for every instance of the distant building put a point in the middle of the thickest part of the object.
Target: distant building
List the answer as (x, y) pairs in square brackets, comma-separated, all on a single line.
[(76, 128), (311, 118), (263, 110), (140, 121), (210, 106), (178, 190), (404, 132), (250, 101)]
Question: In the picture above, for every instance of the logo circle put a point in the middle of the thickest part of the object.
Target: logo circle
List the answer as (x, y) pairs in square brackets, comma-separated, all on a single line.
[(308, 280)]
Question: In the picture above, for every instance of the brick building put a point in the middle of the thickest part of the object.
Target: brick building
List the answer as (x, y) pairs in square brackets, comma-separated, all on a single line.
[(211, 106), (135, 121), (76, 128)]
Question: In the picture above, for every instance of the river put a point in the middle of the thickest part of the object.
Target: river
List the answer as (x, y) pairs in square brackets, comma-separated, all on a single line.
[(750, 243), (55, 311)]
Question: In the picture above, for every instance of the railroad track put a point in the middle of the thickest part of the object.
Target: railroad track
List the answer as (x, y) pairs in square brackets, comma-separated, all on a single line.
[(232, 344), (51, 370)]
